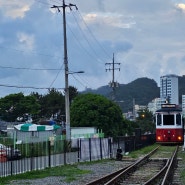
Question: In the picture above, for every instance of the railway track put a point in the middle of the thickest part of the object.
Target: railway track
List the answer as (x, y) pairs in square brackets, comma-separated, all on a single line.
[(157, 167)]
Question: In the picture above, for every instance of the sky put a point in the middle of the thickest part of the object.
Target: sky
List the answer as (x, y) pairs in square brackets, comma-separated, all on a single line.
[(146, 37)]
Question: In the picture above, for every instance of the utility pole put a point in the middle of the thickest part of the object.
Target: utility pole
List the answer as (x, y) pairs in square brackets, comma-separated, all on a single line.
[(111, 67), (68, 130)]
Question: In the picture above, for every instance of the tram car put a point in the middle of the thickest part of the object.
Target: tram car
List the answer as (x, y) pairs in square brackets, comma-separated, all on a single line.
[(169, 125)]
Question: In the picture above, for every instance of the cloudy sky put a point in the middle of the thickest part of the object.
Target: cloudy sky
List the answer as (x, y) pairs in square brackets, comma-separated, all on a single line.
[(147, 38)]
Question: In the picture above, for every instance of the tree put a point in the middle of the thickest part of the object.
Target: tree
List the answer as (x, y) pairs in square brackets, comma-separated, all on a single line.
[(73, 92), (52, 104), (145, 121), (16, 105), (92, 110)]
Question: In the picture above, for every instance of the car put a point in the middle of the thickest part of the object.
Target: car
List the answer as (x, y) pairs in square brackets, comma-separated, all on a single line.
[(9, 152)]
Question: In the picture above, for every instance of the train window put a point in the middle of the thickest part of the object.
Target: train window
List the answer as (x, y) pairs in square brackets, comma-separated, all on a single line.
[(168, 120), (178, 119), (158, 119)]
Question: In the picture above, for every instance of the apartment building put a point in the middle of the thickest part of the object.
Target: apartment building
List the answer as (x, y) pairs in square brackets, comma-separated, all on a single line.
[(169, 88), (183, 105), (155, 104)]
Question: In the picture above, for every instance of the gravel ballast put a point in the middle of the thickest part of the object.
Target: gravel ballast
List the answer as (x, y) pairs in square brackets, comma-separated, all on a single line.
[(97, 170)]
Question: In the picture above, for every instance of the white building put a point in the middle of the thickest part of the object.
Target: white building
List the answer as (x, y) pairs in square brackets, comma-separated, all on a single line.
[(169, 88), (155, 104), (183, 105)]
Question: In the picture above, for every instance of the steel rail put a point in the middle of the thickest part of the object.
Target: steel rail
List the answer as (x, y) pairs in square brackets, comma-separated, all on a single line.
[(155, 178), (111, 176), (165, 171), (169, 173), (107, 177), (132, 168)]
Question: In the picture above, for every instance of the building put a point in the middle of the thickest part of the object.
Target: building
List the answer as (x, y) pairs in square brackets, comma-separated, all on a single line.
[(85, 132), (169, 88), (183, 105), (155, 104)]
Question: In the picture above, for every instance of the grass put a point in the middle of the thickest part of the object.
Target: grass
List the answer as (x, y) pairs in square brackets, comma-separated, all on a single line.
[(181, 155), (143, 151), (70, 172)]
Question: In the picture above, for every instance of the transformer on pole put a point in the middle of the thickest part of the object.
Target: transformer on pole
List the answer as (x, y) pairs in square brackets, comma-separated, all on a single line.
[(111, 67)]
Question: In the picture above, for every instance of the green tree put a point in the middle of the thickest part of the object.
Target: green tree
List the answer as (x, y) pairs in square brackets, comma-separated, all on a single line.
[(92, 110), (52, 103), (145, 121), (16, 105), (73, 92)]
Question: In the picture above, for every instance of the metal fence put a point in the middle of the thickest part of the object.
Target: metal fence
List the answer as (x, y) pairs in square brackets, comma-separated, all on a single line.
[(36, 156)]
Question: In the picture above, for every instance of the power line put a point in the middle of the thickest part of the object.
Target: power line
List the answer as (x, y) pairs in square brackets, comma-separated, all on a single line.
[(103, 49), (56, 77), (34, 69), (86, 38), (79, 43), (45, 3), (33, 52), (27, 87), (78, 80)]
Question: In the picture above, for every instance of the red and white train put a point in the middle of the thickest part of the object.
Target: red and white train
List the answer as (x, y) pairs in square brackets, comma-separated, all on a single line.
[(169, 125)]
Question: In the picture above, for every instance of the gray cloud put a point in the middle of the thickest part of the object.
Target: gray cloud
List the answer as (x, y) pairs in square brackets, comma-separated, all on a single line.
[(147, 38)]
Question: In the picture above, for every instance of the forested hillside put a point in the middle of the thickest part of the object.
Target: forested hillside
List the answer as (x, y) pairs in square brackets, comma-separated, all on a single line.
[(141, 90)]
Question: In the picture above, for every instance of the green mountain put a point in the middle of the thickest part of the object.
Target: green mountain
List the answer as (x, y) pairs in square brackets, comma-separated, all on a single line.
[(142, 91)]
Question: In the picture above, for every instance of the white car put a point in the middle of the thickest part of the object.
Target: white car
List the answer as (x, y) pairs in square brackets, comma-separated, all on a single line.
[(9, 153)]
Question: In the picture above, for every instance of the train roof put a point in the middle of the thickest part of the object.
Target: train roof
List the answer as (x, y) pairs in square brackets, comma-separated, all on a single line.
[(169, 108)]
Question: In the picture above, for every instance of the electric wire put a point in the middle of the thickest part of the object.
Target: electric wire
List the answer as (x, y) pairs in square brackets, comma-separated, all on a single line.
[(87, 39), (26, 68), (59, 12), (55, 77), (34, 69), (27, 87), (103, 49), (32, 51), (45, 3), (78, 80), (35, 52), (85, 81), (79, 43)]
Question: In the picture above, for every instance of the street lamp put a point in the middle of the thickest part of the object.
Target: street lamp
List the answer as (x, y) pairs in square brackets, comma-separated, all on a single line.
[(73, 72)]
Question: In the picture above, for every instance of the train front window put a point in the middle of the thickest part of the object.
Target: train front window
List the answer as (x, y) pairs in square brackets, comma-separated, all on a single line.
[(178, 119), (158, 119), (168, 120)]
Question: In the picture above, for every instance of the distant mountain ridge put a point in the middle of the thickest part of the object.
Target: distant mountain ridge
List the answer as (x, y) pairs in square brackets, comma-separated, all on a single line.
[(142, 91)]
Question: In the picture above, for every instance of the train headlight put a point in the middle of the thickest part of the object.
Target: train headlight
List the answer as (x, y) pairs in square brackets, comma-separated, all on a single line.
[(179, 138), (158, 138)]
